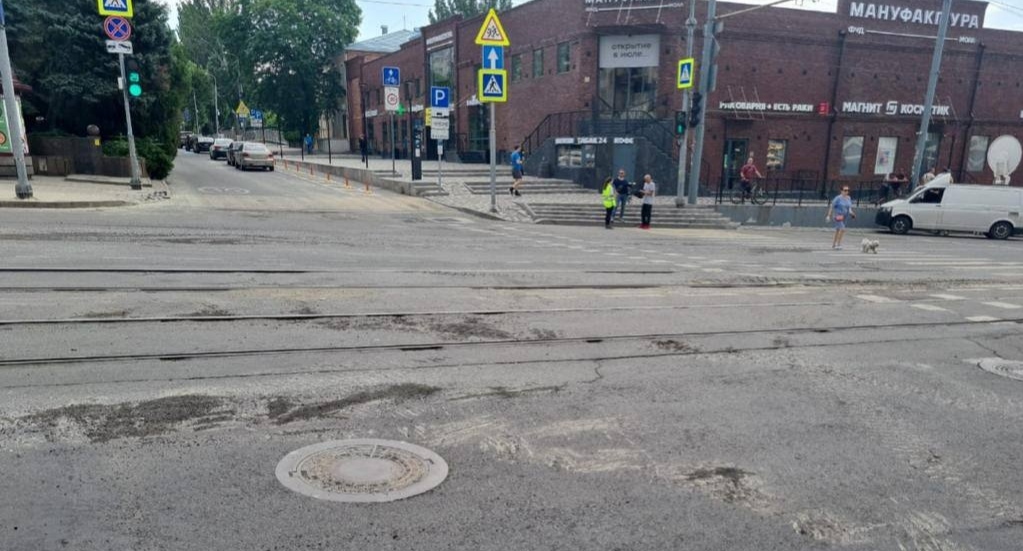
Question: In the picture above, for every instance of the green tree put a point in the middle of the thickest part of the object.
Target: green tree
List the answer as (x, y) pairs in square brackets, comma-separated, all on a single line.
[(57, 48), (443, 9), (294, 47)]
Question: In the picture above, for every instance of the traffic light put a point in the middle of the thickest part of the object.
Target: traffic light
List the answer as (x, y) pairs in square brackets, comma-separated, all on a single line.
[(680, 122), (134, 79), (696, 109)]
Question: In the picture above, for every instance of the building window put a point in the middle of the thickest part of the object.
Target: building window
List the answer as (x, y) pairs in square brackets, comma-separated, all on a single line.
[(776, 154), (852, 154), (885, 161), (564, 57), (538, 63), (442, 67), (516, 68), (978, 154), (577, 156), (627, 89)]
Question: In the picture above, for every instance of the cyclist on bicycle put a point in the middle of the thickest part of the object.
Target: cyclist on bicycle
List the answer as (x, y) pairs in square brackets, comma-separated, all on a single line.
[(746, 174)]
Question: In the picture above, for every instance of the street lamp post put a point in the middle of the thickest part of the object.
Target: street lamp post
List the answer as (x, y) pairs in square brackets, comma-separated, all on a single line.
[(216, 107)]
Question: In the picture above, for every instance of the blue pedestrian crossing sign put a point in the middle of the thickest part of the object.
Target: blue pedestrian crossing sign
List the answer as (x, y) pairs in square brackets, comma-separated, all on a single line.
[(493, 85), (392, 76), (116, 7), (685, 72), (440, 97)]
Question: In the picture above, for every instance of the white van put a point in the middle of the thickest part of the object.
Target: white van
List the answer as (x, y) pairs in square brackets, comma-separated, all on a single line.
[(943, 206)]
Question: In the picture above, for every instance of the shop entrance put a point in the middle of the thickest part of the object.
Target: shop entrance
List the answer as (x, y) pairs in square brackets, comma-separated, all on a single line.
[(736, 151)]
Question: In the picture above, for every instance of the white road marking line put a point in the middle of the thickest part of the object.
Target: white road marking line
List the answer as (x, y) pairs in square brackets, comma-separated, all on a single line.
[(713, 270), (783, 269), (659, 261), (943, 296), (929, 307), (878, 299), (637, 258), (691, 266), (1004, 305), (982, 318)]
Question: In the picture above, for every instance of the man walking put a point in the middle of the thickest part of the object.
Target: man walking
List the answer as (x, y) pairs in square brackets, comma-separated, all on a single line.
[(621, 186), (308, 144), (363, 148), (746, 174), (516, 163), (649, 191)]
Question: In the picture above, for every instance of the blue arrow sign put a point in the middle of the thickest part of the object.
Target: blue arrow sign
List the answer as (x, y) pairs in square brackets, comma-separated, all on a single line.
[(392, 76), (440, 97), (493, 57), (256, 114)]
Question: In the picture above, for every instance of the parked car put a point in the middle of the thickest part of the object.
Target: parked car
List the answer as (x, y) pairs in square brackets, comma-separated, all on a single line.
[(232, 152), (219, 148), (942, 206), (254, 155), (202, 144)]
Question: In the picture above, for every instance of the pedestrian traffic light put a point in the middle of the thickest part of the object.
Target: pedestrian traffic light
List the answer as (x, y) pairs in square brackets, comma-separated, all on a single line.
[(680, 122), (134, 79), (696, 109)]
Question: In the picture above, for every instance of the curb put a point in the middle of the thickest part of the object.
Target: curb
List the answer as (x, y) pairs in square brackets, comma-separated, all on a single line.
[(63, 204)]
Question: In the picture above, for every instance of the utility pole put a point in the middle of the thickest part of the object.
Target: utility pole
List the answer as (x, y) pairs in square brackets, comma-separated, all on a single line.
[(932, 84), (216, 108), (683, 147), (706, 60), (23, 189), (195, 105)]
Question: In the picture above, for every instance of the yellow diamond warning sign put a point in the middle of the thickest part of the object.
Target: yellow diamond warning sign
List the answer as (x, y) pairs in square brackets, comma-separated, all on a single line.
[(492, 33)]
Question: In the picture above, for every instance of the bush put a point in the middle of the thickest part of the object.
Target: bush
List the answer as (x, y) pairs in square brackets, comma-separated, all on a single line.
[(159, 162)]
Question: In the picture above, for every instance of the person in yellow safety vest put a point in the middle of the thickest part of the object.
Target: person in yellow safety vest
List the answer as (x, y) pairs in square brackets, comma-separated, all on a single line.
[(608, 192)]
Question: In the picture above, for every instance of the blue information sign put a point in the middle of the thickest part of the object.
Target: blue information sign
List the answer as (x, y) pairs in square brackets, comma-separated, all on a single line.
[(392, 76), (493, 57), (440, 97)]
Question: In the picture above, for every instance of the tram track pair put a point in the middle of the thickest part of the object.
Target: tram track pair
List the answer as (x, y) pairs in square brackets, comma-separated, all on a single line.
[(539, 341)]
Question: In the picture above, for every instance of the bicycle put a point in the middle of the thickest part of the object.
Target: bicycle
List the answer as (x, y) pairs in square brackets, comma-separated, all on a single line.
[(756, 195)]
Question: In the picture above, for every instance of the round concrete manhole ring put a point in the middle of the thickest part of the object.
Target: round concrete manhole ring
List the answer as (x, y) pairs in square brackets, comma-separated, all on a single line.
[(1005, 368), (362, 471)]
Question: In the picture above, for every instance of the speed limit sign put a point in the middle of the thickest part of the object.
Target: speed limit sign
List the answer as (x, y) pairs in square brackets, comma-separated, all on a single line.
[(391, 98)]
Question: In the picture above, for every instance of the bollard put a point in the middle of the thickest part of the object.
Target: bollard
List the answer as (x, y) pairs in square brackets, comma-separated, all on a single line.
[(347, 185), (367, 190), (328, 177)]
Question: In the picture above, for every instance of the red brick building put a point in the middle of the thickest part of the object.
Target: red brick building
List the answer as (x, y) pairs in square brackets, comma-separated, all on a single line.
[(813, 95)]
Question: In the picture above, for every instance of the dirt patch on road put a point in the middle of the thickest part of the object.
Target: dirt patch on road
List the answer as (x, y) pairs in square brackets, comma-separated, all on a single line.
[(466, 328), (103, 422), (675, 346), (282, 412), (210, 310)]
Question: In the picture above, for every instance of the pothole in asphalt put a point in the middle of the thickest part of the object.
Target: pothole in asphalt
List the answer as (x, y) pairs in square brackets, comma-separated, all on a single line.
[(362, 471), (1005, 368)]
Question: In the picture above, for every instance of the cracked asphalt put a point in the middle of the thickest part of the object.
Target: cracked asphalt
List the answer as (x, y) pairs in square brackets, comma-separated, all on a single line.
[(626, 390)]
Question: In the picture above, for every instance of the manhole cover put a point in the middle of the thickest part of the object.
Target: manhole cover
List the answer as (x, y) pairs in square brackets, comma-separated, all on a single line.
[(1005, 368), (362, 471)]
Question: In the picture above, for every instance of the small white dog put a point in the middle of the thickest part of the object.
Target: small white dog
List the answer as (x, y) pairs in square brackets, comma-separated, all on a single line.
[(869, 246)]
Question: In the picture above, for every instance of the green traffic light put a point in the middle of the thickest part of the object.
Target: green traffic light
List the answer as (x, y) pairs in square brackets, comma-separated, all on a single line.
[(134, 88)]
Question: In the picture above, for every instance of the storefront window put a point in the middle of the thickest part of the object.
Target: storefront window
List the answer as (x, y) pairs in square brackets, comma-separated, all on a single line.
[(564, 57), (537, 63), (776, 154), (577, 156), (931, 151), (852, 155), (627, 89), (442, 64), (886, 149), (978, 154)]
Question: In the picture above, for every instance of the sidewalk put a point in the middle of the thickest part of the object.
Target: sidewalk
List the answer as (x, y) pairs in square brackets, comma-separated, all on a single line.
[(458, 196), (59, 193)]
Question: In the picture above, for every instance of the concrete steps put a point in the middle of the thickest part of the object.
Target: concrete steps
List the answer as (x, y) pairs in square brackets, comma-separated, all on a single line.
[(428, 188), (528, 187), (663, 217)]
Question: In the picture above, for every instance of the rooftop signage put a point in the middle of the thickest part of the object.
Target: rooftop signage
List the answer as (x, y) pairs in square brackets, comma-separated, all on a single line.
[(970, 15)]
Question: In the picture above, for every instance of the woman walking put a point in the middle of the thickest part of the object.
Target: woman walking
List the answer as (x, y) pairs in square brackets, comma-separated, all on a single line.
[(608, 193), (841, 207)]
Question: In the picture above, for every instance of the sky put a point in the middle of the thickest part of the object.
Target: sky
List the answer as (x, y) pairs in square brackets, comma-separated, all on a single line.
[(409, 14)]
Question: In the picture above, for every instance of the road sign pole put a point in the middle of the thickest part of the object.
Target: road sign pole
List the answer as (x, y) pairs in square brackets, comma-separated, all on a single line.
[(932, 83), (440, 161), (493, 160), (394, 169), (23, 189), (136, 181), (683, 148)]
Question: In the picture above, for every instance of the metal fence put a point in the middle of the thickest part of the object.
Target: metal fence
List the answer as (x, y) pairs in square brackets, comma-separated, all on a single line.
[(795, 191)]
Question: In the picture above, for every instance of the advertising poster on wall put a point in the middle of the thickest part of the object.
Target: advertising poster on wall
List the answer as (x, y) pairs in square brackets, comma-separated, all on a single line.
[(886, 148)]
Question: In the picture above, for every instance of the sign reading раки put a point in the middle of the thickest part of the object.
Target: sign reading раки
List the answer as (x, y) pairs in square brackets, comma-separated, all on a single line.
[(916, 12)]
